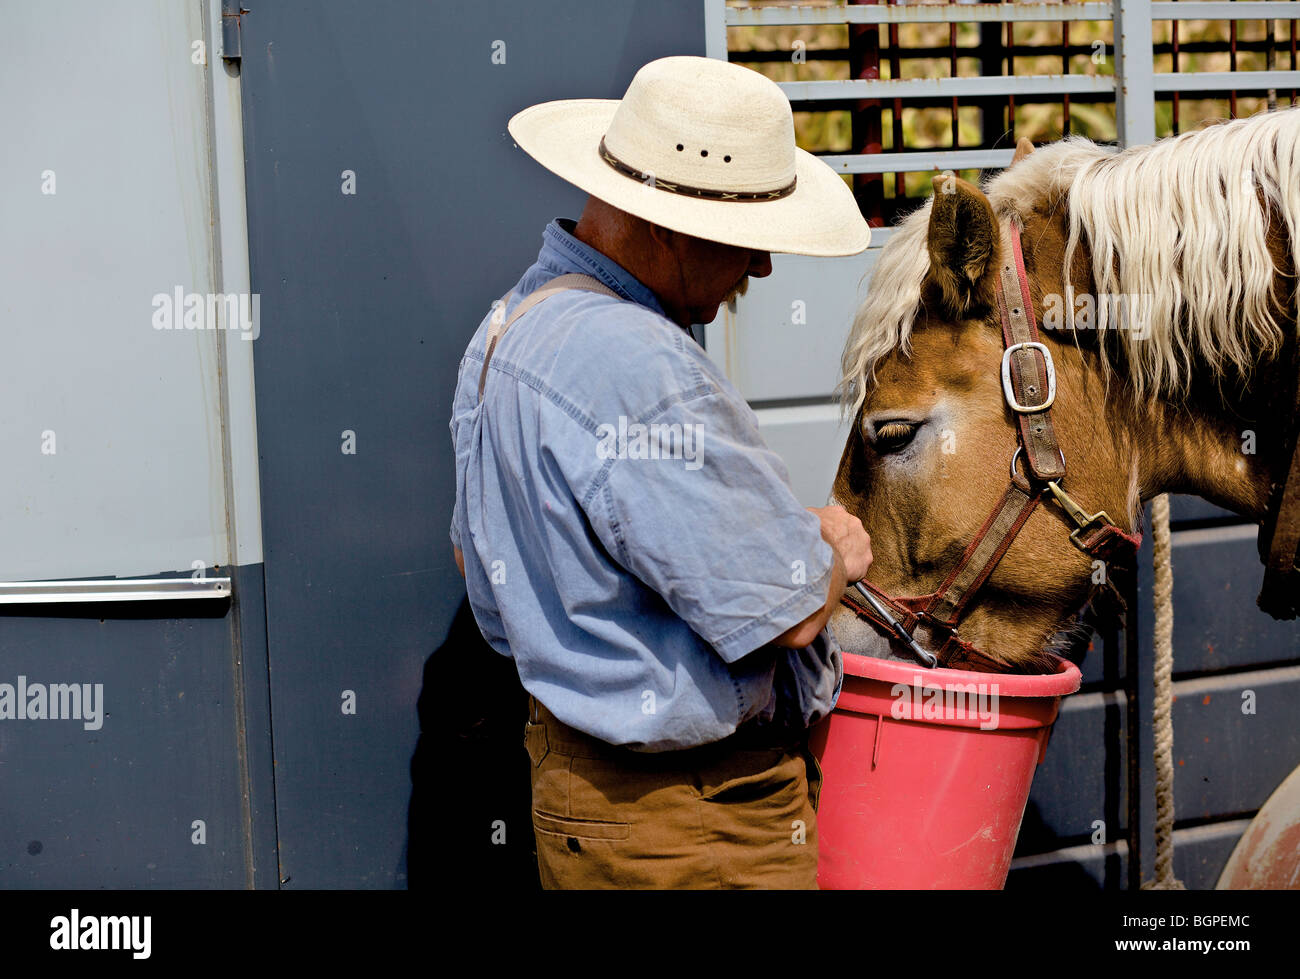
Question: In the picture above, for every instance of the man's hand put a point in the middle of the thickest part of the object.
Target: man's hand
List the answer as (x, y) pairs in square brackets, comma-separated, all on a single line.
[(460, 560), (851, 553), (846, 536)]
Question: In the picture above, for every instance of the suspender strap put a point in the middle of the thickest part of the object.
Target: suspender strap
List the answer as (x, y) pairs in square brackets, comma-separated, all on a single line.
[(499, 324)]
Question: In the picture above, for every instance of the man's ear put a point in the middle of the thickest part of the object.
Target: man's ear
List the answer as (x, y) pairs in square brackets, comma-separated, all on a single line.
[(964, 243)]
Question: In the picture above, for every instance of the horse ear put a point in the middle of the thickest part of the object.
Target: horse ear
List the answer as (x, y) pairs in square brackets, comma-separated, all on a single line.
[(963, 245), (1023, 149)]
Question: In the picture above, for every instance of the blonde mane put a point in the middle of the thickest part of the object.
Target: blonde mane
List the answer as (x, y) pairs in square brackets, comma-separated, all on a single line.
[(1177, 223)]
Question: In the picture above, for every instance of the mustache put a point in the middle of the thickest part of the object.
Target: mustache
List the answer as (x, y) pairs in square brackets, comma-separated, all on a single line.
[(739, 289)]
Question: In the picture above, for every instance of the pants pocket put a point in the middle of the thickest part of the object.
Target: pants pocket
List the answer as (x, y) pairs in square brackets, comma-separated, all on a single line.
[(750, 776), (581, 829)]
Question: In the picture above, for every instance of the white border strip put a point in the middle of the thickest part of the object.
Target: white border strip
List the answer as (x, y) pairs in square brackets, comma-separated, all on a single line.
[(111, 590), (231, 275)]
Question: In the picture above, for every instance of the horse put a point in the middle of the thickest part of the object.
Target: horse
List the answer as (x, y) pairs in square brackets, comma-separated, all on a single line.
[(1089, 329)]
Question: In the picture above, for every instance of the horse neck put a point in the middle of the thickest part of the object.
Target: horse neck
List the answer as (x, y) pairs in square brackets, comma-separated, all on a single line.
[(1230, 456), (1228, 447)]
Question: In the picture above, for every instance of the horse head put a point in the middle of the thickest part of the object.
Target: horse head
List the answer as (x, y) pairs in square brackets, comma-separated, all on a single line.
[(1157, 284)]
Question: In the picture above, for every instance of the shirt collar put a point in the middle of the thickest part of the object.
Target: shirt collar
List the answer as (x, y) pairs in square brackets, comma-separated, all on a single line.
[(562, 252)]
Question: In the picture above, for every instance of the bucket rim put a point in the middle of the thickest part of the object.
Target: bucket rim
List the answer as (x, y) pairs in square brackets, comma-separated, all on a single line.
[(1066, 680)]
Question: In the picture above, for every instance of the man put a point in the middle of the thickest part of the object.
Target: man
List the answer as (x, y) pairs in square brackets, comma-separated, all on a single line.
[(624, 533)]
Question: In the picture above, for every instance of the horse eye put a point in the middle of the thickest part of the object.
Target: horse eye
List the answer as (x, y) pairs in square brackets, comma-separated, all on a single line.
[(893, 435)]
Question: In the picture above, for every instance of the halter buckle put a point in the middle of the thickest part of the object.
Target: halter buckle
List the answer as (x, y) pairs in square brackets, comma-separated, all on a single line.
[(1008, 391)]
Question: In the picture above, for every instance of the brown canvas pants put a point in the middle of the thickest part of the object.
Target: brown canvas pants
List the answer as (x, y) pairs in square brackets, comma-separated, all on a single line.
[(737, 813)]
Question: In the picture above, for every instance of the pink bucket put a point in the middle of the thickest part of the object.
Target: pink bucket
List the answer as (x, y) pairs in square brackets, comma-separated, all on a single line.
[(925, 773)]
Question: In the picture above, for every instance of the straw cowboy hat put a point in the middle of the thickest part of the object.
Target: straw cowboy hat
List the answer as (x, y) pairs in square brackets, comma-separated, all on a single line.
[(704, 147)]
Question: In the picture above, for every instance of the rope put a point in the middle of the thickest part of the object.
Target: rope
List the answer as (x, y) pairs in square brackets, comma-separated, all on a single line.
[(1162, 709)]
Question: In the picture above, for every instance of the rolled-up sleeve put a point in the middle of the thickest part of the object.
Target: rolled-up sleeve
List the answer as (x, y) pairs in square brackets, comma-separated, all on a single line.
[(702, 512)]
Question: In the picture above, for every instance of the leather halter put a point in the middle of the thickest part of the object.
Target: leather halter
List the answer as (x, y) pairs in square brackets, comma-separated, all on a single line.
[(1029, 387)]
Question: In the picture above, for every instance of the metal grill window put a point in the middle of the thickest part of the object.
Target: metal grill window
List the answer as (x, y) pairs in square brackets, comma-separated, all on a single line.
[(888, 93)]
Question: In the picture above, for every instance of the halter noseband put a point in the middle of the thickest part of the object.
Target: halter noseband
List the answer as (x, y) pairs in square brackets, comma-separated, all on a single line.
[(1029, 389)]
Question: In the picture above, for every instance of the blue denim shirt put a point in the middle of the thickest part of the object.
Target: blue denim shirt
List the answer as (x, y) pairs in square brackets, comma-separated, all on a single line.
[(628, 538)]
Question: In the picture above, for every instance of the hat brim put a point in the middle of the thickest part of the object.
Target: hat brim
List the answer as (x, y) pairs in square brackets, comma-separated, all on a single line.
[(820, 218)]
